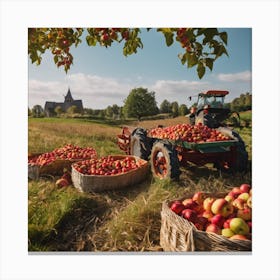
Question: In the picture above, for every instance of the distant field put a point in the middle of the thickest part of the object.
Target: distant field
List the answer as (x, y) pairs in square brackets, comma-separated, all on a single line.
[(124, 220)]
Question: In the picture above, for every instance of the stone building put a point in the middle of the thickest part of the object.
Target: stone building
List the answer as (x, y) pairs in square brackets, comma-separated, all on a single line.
[(68, 102)]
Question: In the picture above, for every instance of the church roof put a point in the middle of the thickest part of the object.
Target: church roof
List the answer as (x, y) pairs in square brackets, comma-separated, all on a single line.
[(69, 95)]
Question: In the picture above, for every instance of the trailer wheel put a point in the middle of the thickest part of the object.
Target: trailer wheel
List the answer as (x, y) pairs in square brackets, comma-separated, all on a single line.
[(139, 144), (164, 161)]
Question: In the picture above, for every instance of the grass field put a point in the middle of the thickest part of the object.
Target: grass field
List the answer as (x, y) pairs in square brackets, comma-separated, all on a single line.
[(124, 220)]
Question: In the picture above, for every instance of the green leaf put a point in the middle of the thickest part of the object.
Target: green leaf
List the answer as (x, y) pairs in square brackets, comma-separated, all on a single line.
[(168, 38), (55, 59), (200, 70), (209, 63), (192, 60), (224, 37), (91, 41)]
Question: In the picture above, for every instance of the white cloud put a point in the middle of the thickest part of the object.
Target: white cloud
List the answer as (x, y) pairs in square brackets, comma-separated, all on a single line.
[(177, 90), (98, 92), (245, 76)]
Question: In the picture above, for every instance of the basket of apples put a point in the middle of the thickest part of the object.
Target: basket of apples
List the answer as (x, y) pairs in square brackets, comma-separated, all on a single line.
[(208, 222), (54, 162), (108, 173)]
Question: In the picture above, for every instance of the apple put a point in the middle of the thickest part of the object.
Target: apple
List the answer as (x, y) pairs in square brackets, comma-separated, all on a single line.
[(245, 213), (218, 220), (202, 220), (244, 196), (249, 201), (227, 222), (245, 188), (238, 237), (221, 206), (199, 197), (213, 228), (239, 226), (249, 223), (227, 232), (235, 192), (238, 203), (177, 207), (190, 215), (62, 182), (207, 203), (229, 198), (208, 215)]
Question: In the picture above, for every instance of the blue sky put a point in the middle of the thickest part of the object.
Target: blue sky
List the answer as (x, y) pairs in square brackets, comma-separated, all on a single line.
[(103, 76)]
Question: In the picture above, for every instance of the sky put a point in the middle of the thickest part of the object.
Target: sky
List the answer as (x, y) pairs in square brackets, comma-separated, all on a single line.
[(104, 76)]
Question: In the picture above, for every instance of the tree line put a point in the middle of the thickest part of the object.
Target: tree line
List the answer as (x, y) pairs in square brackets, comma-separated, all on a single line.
[(140, 103)]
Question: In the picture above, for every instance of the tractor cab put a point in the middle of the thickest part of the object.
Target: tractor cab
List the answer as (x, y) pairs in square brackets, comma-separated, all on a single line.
[(211, 99), (210, 109)]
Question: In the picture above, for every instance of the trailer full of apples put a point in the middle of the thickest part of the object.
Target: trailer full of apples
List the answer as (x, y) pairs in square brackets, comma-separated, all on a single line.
[(229, 216), (68, 152), (198, 133)]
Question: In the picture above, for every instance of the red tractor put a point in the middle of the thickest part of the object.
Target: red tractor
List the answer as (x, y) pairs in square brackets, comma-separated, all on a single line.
[(211, 111), (167, 154)]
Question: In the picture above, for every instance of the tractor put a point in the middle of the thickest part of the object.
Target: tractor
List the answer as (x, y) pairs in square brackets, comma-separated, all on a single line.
[(167, 155), (211, 110)]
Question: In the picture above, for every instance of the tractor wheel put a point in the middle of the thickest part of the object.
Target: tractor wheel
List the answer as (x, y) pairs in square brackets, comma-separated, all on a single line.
[(139, 144), (164, 161)]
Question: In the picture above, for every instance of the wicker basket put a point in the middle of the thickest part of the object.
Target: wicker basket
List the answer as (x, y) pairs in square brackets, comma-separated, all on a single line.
[(179, 235), (97, 183), (54, 168)]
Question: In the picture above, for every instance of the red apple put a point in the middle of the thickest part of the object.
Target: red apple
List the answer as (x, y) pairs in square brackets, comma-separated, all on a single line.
[(213, 228), (202, 220), (235, 192), (62, 182), (245, 188), (190, 215), (208, 215), (218, 220), (245, 213), (238, 203), (227, 222), (199, 197), (177, 207), (221, 206), (229, 198)]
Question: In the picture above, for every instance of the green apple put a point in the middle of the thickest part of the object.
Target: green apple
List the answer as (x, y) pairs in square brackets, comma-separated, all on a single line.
[(239, 226), (244, 196), (227, 232)]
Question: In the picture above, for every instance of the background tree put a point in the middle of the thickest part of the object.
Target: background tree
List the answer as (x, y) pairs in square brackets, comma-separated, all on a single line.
[(37, 111), (116, 111), (183, 110), (201, 46), (58, 110), (140, 103), (174, 109), (73, 109), (29, 112), (165, 107), (109, 112)]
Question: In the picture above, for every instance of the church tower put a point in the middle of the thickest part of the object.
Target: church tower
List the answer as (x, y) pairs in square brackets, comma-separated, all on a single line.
[(68, 97)]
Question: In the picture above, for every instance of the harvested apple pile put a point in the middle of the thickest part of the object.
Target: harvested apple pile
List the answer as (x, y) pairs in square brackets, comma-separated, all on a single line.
[(68, 152), (106, 166), (198, 133), (230, 216)]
